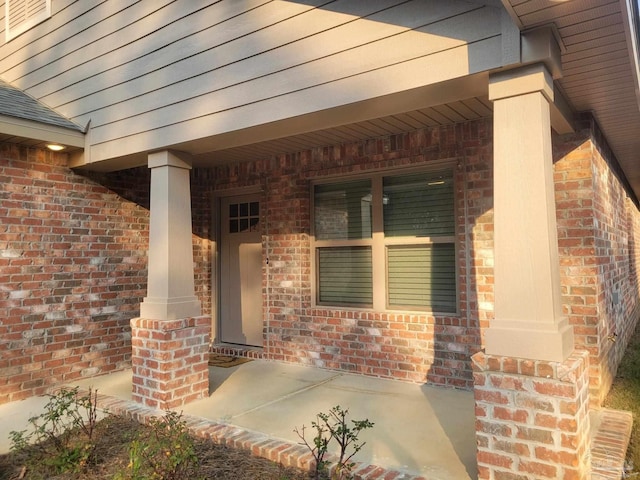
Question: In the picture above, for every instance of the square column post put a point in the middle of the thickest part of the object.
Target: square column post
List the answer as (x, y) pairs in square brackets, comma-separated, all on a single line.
[(531, 386), (170, 342), (528, 311), (170, 286)]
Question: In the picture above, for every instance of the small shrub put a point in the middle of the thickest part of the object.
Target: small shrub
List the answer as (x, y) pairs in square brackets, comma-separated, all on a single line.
[(163, 452), (63, 436), (334, 426)]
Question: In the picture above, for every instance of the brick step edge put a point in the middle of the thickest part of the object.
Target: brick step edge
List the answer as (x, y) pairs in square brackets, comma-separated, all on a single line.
[(609, 445), (259, 444)]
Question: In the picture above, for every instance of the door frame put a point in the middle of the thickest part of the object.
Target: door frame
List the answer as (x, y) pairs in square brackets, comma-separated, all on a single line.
[(216, 245)]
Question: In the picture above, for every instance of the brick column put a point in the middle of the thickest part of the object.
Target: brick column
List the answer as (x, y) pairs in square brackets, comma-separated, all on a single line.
[(170, 341), (532, 417), (170, 361)]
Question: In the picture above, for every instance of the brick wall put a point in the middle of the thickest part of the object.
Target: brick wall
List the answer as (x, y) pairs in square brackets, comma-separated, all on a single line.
[(72, 272), (73, 256), (617, 261), (419, 347), (410, 346), (597, 231)]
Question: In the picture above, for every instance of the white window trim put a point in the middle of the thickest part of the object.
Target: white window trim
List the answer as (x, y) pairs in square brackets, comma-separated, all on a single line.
[(29, 21), (378, 242)]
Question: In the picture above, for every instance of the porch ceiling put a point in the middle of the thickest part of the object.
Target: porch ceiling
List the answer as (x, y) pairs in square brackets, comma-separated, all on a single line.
[(446, 114)]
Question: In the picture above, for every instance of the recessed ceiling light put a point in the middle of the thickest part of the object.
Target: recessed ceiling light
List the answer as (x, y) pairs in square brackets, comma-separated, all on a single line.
[(55, 147)]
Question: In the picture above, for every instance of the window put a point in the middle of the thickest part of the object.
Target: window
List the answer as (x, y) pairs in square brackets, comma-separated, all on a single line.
[(21, 15), (387, 242), (342, 215)]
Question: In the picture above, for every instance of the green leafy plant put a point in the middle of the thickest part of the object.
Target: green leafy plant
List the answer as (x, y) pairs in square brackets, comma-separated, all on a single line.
[(164, 452), (318, 446), (334, 426), (63, 435)]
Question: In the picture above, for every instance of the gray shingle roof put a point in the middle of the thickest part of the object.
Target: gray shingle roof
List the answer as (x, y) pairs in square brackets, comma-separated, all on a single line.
[(16, 103)]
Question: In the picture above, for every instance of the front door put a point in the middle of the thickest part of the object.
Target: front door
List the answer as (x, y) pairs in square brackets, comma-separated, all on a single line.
[(241, 271)]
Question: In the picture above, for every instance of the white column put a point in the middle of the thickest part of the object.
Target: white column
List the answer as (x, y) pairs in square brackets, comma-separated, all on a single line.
[(528, 310), (170, 283)]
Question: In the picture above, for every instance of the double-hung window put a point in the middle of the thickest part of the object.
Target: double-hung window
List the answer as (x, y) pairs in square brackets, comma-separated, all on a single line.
[(386, 242)]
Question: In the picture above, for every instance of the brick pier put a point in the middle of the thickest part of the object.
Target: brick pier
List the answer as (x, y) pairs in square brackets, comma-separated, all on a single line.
[(532, 417), (170, 361)]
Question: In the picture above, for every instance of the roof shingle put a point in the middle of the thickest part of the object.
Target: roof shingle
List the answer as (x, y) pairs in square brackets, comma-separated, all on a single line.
[(16, 103)]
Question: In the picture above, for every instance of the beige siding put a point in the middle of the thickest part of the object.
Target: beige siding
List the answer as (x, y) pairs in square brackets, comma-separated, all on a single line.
[(160, 73)]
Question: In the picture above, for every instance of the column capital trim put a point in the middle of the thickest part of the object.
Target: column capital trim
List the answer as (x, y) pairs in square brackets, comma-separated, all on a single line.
[(521, 81), (169, 158)]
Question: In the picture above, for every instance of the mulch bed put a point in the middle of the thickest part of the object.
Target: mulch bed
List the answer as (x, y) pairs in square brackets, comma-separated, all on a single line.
[(113, 437)]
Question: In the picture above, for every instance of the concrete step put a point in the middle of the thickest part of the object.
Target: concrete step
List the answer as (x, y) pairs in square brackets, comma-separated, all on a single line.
[(610, 434)]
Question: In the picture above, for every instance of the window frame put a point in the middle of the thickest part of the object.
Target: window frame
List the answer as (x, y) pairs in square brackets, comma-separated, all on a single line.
[(29, 21), (379, 244)]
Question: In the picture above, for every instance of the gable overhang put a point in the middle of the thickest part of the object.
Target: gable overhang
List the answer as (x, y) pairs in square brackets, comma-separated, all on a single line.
[(40, 132)]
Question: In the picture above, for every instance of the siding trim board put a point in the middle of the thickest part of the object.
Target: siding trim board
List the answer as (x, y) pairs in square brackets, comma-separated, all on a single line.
[(205, 145)]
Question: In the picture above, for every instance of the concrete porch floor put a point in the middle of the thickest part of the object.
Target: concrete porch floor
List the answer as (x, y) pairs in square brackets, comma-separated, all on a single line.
[(419, 430)]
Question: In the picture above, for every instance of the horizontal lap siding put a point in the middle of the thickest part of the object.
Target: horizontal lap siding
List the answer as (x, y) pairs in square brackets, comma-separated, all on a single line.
[(175, 71)]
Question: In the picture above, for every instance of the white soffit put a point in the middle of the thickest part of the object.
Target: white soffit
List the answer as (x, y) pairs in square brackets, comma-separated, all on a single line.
[(599, 63)]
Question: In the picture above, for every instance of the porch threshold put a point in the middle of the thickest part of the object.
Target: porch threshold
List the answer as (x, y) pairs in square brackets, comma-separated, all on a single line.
[(243, 351), (610, 434)]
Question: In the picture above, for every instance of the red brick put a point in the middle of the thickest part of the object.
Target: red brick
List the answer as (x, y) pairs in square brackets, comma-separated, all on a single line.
[(540, 470), (519, 416), (494, 459), (545, 420)]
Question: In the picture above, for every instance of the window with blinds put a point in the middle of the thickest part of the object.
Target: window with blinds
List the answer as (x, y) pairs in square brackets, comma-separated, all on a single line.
[(345, 275), (343, 211), (21, 15), (387, 242)]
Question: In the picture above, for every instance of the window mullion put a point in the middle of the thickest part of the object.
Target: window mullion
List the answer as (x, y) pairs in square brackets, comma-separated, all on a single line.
[(378, 247)]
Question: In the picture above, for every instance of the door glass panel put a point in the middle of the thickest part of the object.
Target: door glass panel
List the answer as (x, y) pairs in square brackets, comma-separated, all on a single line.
[(244, 217)]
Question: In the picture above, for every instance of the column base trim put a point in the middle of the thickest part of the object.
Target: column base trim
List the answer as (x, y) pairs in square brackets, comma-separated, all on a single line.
[(552, 343), (170, 308)]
